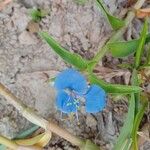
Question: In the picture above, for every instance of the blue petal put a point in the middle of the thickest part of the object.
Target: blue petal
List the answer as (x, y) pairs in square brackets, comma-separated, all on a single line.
[(66, 103), (71, 79), (95, 99)]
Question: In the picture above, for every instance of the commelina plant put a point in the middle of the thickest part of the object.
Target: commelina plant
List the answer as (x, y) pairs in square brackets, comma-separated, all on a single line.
[(73, 90), (72, 87)]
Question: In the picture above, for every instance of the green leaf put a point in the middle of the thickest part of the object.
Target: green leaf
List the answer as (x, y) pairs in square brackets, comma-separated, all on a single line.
[(140, 48), (69, 57), (145, 66), (89, 146), (127, 144), (115, 23), (27, 132), (137, 121), (125, 134), (80, 2), (37, 14), (125, 48), (22, 135), (114, 88)]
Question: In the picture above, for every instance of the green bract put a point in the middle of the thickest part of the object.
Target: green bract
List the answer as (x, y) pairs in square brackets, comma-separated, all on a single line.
[(115, 23), (125, 48)]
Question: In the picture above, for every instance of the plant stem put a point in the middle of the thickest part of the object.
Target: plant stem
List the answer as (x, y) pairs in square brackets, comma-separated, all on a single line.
[(140, 48), (135, 82), (137, 121), (35, 119), (115, 36), (148, 57)]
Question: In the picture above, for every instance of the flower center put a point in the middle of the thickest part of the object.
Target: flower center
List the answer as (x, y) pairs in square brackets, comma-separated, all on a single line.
[(74, 99)]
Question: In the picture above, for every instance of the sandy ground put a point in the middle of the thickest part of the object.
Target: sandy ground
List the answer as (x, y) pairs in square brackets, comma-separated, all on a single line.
[(26, 63)]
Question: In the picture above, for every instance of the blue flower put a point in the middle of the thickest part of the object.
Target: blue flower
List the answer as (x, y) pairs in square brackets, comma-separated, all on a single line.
[(95, 99), (72, 88), (71, 79), (66, 103)]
